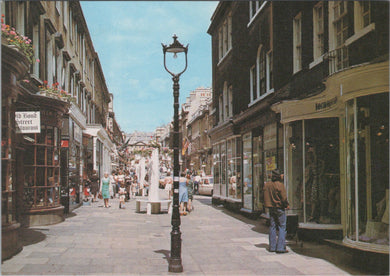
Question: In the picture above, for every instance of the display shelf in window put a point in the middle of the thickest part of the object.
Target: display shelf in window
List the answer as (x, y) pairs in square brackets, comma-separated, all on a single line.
[(41, 187)]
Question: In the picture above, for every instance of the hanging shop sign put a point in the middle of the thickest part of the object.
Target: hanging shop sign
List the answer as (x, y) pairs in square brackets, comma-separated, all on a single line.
[(28, 121)]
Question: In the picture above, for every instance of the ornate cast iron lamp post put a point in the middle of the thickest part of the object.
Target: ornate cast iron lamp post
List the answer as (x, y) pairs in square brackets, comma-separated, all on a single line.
[(175, 264)]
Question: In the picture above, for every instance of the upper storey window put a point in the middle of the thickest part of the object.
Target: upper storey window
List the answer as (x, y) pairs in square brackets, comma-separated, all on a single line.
[(362, 14), (225, 37), (318, 30), (297, 54), (340, 22), (255, 7), (261, 75)]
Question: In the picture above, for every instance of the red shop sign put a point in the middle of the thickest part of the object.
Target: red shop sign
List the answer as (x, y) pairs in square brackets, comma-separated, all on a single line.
[(64, 143)]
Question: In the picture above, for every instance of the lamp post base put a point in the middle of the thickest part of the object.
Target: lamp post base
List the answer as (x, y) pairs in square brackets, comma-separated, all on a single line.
[(175, 265)]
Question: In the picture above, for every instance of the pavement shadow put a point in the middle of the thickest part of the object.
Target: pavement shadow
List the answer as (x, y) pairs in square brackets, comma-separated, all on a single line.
[(339, 257), (30, 236), (166, 254), (70, 215)]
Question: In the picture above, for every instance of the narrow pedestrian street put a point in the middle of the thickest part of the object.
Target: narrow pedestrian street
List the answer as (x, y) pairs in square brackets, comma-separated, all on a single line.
[(110, 241)]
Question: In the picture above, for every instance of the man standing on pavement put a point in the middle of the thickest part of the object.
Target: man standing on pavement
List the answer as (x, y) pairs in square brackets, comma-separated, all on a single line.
[(275, 198)]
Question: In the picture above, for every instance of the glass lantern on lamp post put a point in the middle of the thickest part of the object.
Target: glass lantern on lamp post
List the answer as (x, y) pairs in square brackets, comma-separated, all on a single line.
[(175, 264)]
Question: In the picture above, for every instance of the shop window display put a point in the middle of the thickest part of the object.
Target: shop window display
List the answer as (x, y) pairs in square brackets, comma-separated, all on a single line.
[(322, 171), (367, 169), (294, 166), (223, 169), (8, 197), (216, 169), (258, 180), (41, 185), (247, 171), (234, 167), (313, 167)]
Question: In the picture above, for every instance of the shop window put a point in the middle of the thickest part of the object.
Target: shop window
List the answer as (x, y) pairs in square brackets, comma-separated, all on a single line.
[(367, 169), (313, 172), (294, 167), (234, 167), (270, 150), (8, 197), (258, 171), (41, 187), (223, 169), (247, 171), (216, 169), (322, 171)]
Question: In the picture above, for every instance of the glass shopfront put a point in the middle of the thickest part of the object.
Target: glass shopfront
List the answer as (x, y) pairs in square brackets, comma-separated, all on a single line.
[(8, 157), (258, 176), (227, 169), (42, 168), (223, 169), (217, 170), (247, 170), (367, 165), (234, 167), (313, 170)]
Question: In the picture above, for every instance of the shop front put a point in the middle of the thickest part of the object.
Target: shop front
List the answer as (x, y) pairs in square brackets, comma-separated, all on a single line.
[(262, 152), (14, 65), (40, 152), (227, 170), (337, 157)]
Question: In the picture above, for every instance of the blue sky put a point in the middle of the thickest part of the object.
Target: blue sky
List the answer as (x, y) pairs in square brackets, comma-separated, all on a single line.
[(127, 36)]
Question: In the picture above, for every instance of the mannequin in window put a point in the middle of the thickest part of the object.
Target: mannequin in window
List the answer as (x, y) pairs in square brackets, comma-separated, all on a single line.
[(313, 173)]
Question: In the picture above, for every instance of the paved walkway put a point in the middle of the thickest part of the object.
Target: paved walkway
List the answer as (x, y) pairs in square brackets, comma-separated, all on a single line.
[(109, 241)]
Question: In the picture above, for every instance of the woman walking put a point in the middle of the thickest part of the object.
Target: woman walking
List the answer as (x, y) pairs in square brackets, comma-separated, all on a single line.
[(190, 191), (105, 188), (183, 194)]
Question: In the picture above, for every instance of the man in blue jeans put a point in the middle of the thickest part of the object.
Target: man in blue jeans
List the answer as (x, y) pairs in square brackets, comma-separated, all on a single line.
[(275, 198)]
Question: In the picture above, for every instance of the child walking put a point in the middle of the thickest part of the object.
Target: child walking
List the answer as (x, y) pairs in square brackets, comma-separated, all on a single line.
[(122, 195)]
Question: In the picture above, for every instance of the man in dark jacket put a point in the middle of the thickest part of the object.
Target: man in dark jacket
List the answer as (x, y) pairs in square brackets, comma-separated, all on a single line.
[(275, 198)]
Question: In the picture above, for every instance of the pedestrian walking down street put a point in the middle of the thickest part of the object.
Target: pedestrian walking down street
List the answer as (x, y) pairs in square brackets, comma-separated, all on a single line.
[(196, 184), (94, 179), (134, 186), (127, 185), (122, 195), (183, 194), (105, 189), (190, 191), (120, 179), (275, 198), (112, 183)]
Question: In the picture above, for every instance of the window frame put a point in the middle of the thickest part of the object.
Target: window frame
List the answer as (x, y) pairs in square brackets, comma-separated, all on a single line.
[(225, 42), (297, 43), (318, 42)]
